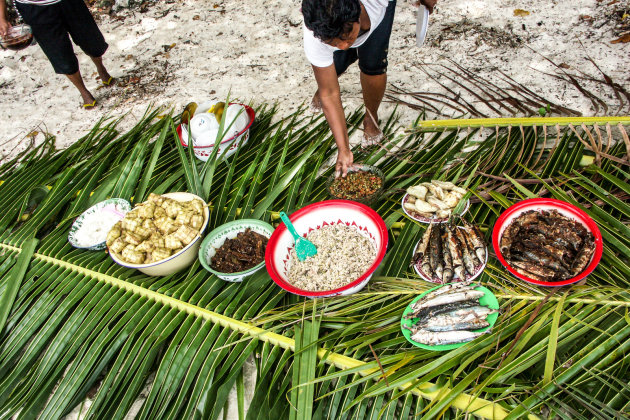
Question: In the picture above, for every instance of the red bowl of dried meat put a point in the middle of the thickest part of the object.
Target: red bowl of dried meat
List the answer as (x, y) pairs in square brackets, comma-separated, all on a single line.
[(235, 250), (547, 242)]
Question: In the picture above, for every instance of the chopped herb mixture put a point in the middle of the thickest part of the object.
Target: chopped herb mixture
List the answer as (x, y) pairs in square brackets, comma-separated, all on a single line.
[(241, 253), (356, 185)]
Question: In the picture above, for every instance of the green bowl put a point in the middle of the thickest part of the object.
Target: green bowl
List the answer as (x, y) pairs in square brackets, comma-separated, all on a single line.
[(215, 239), (121, 205), (489, 300)]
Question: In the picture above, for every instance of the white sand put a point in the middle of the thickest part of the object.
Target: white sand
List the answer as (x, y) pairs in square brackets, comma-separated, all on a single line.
[(255, 52)]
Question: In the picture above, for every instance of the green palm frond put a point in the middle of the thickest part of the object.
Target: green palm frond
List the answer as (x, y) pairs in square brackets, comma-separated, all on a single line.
[(77, 324)]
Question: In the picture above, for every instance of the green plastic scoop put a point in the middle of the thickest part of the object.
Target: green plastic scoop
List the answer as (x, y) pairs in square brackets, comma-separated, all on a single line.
[(303, 247)]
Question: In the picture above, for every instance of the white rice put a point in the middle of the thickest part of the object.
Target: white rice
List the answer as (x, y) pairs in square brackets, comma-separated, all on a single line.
[(343, 255), (95, 227)]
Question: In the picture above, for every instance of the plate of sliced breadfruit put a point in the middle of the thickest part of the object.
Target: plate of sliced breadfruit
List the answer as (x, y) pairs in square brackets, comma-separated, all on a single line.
[(433, 202)]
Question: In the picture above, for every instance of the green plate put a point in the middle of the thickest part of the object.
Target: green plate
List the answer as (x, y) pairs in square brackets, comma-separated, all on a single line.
[(488, 300)]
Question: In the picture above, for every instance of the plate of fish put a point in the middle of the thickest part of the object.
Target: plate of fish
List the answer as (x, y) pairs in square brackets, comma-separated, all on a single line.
[(449, 316), (448, 253), (433, 202), (547, 242)]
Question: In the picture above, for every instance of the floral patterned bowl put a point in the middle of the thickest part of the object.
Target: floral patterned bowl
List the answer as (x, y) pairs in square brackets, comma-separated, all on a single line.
[(116, 206)]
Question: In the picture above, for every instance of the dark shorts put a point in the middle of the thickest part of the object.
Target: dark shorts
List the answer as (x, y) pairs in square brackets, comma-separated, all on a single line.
[(51, 26), (372, 54)]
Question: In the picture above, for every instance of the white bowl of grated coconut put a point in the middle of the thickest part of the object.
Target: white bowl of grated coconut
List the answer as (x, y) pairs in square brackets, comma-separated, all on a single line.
[(90, 229), (351, 241)]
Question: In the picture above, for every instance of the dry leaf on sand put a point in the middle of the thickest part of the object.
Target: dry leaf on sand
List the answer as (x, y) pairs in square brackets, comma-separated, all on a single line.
[(520, 12), (623, 38)]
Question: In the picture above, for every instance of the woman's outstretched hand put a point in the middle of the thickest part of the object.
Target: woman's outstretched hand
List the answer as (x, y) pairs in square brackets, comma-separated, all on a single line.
[(345, 160)]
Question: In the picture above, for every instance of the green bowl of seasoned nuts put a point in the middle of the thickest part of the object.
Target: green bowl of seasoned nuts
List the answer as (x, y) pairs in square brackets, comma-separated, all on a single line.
[(363, 183), (161, 235)]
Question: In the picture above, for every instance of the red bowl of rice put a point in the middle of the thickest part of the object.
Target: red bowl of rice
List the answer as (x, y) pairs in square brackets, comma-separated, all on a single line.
[(315, 216)]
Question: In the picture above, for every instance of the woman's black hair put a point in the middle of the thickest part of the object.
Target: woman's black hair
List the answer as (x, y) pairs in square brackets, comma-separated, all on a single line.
[(330, 19)]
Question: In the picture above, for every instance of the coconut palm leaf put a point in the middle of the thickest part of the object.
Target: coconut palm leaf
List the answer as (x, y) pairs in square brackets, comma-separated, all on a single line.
[(78, 325)]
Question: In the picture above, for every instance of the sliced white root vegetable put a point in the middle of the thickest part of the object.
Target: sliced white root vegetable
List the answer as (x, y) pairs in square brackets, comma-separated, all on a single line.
[(423, 206), (445, 185), (438, 203), (418, 191)]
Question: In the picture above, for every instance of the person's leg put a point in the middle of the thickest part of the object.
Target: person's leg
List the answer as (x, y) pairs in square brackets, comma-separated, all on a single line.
[(373, 65), (77, 81), (51, 34), (86, 34), (373, 91), (106, 78)]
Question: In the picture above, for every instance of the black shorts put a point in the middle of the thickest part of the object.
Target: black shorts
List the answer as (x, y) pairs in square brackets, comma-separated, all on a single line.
[(372, 54), (51, 26)]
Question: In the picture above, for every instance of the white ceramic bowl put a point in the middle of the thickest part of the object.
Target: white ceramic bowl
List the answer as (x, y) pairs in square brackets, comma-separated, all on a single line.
[(227, 146), (181, 259), (314, 216)]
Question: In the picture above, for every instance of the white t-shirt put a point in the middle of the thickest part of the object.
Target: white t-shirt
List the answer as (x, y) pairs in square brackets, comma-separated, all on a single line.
[(321, 54)]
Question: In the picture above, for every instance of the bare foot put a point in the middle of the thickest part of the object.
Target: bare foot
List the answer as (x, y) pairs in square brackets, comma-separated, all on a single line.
[(372, 135), (316, 104)]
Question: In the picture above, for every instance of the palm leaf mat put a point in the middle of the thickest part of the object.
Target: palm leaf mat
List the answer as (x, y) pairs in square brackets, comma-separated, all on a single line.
[(77, 324)]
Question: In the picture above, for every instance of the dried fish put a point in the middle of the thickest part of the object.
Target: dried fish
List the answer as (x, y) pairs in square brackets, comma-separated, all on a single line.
[(584, 255), (476, 238), (422, 246), (446, 257), (467, 257), (435, 247), (456, 253)]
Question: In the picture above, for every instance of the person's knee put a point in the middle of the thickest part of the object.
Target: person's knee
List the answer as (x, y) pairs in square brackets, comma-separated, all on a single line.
[(373, 71)]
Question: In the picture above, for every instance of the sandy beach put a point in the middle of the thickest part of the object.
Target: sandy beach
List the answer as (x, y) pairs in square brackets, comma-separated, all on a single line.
[(173, 52)]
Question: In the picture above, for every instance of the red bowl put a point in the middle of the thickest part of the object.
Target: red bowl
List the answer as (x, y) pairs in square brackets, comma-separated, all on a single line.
[(251, 114), (314, 216), (564, 208)]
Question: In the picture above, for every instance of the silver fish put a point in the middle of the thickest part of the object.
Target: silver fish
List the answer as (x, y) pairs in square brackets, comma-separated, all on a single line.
[(446, 337), (477, 311), (458, 296), (449, 288), (453, 324)]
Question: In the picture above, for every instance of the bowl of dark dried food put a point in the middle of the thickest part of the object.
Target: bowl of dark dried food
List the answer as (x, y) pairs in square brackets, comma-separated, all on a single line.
[(363, 183), (547, 242), (235, 250)]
